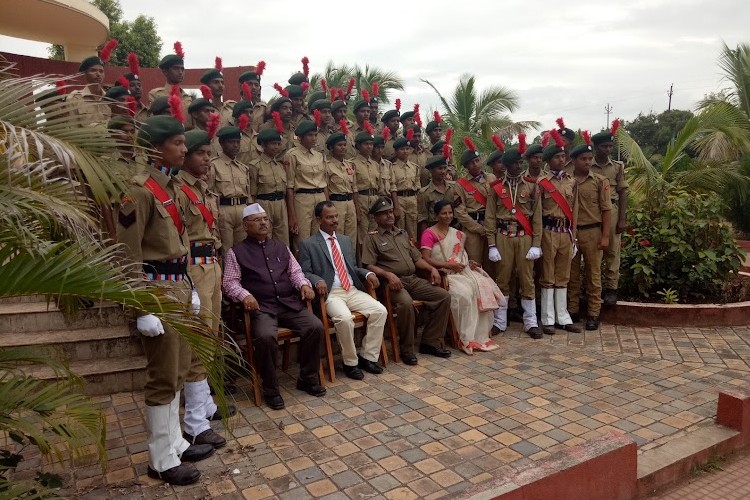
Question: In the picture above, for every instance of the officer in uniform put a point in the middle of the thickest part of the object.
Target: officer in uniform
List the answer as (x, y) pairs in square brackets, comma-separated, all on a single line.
[(614, 171), (341, 175), (87, 104), (473, 189), (152, 230), (438, 189), (173, 68), (405, 185), (230, 180), (593, 229), (388, 253), (367, 183), (268, 184)]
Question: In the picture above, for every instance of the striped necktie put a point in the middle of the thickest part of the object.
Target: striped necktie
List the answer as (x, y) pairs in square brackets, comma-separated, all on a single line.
[(338, 262)]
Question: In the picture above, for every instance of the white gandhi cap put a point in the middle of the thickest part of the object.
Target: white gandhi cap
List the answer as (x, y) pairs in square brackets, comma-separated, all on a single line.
[(252, 210)]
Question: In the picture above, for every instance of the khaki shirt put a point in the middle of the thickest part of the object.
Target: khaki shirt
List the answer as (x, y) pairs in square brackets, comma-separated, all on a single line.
[(341, 176), (614, 172), (297, 118), (187, 99), (405, 176), (225, 113), (89, 110), (249, 148), (258, 115), (431, 194), (197, 227), (288, 139), (367, 172), (469, 205), (566, 186), (267, 175), (320, 143), (351, 148), (527, 200), (388, 151), (593, 198), (307, 169), (391, 251), (228, 178), (142, 113), (385, 177)]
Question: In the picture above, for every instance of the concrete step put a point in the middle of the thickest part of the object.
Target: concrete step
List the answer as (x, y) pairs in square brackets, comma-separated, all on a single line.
[(22, 299), (102, 376), (39, 316)]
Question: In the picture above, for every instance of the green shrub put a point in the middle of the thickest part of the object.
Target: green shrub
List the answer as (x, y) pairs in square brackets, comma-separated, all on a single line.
[(737, 212), (679, 241)]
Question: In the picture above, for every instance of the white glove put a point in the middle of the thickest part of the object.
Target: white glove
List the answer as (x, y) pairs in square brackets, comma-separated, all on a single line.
[(149, 325), (574, 251), (494, 254), (195, 303), (534, 253)]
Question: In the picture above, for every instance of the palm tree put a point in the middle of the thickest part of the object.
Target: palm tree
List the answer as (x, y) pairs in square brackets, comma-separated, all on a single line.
[(338, 76), (479, 114)]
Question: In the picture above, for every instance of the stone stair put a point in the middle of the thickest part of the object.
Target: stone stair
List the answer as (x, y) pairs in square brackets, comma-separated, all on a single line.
[(97, 343)]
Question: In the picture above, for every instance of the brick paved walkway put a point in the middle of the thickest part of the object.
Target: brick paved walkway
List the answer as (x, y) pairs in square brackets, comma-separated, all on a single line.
[(730, 483), (434, 429)]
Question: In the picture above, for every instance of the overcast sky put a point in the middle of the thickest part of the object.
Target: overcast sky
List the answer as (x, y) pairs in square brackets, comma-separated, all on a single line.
[(568, 58)]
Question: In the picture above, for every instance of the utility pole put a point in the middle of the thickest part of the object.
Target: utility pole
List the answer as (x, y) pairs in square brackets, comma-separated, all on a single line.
[(669, 94), (608, 111)]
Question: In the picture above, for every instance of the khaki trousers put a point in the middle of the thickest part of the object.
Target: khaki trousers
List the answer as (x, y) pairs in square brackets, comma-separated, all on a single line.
[(277, 212), (207, 282), (513, 252), (556, 251), (611, 269), (347, 219), (339, 306), (304, 205), (588, 247), (365, 221), (230, 226), (436, 299), (408, 220), (476, 247)]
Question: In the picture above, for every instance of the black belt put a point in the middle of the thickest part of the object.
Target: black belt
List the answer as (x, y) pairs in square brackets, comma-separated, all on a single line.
[(341, 197), (406, 192), (237, 200), (368, 192), (162, 267), (309, 190), (508, 224), (278, 195), (202, 251), (478, 215), (589, 226), (555, 221)]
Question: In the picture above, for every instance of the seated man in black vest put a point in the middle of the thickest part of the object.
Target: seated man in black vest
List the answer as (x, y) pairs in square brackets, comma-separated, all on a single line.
[(262, 274)]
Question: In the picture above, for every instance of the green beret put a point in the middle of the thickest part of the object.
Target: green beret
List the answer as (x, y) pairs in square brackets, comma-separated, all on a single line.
[(320, 104), (533, 149), (279, 102), (511, 156), (211, 74), (338, 104), (295, 91), (90, 61), (550, 151), (416, 128), (131, 77), (363, 137), (361, 104), (334, 139), (170, 60), (199, 104), (408, 114), (157, 129), (196, 138), (229, 132), (241, 107), (297, 79), (381, 205), (494, 156), (119, 121), (305, 127), (314, 96), (268, 135), (437, 148), (602, 137), (249, 76), (468, 156), (378, 141), (431, 126), (568, 134), (580, 149), (435, 161), (389, 114), (160, 105), (116, 92), (399, 143)]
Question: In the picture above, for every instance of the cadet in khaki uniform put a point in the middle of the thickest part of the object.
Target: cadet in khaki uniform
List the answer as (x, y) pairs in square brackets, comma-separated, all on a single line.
[(534, 162), (250, 80), (419, 154), (230, 180), (514, 233), (437, 189), (87, 105), (341, 175), (297, 97), (614, 171), (282, 106), (173, 68), (214, 80), (593, 225), (362, 117), (323, 106), (249, 147), (473, 188), (338, 110), (268, 184), (152, 229), (390, 121), (367, 183), (136, 87), (557, 238), (306, 183), (386, 167), (388, 253), (405, 184), (200, 111)]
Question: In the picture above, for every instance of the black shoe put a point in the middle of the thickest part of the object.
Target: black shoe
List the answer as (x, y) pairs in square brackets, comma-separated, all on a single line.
[(575, 317), (496, 330), (206, 437), (275, 402), (231, 410), (179, 476), (314, 389), (534, 332), (548, 329), (592, 323), (435, 351), (409, 359), (197, 452), (370, 366), (353, 372), (572, 328), (515, 315), (609, 297)]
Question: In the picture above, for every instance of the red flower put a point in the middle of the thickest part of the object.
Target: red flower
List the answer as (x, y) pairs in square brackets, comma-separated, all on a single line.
[(631, 231), (644, 243)]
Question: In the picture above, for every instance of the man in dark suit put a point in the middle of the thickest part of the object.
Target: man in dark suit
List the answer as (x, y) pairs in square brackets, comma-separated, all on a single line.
[(328, 261)]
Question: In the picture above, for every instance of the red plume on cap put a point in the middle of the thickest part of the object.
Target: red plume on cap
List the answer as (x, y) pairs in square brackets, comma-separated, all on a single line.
[(334, 93), (247, 93), (410, 134), (365, 95), (134, 64), (304, 86), (615, 126), (342, 95), (448, 136), (470, 144), (132, 105), (446, 150), (418, 119), (206, 92), (368, 128), (260, 68), (586, 137), (106, 52), (386, 134), (243, 122), (436, 116), (522, 143), (375, 89), (124, 82), (416, 110), (344, 127), (213, 125), (175, 90), (324, 85), (178, 50), (560, 123), (306, 65), (175, 108), (317, 118), (545, 139), (557, 138), (350, 86), (280, 90), (498, 143), (61, 90), (277, 122), (398, 104), (218, 64)]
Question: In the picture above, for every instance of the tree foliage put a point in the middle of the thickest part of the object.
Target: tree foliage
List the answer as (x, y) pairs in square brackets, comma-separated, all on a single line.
[(653, 132), (364, 77)]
